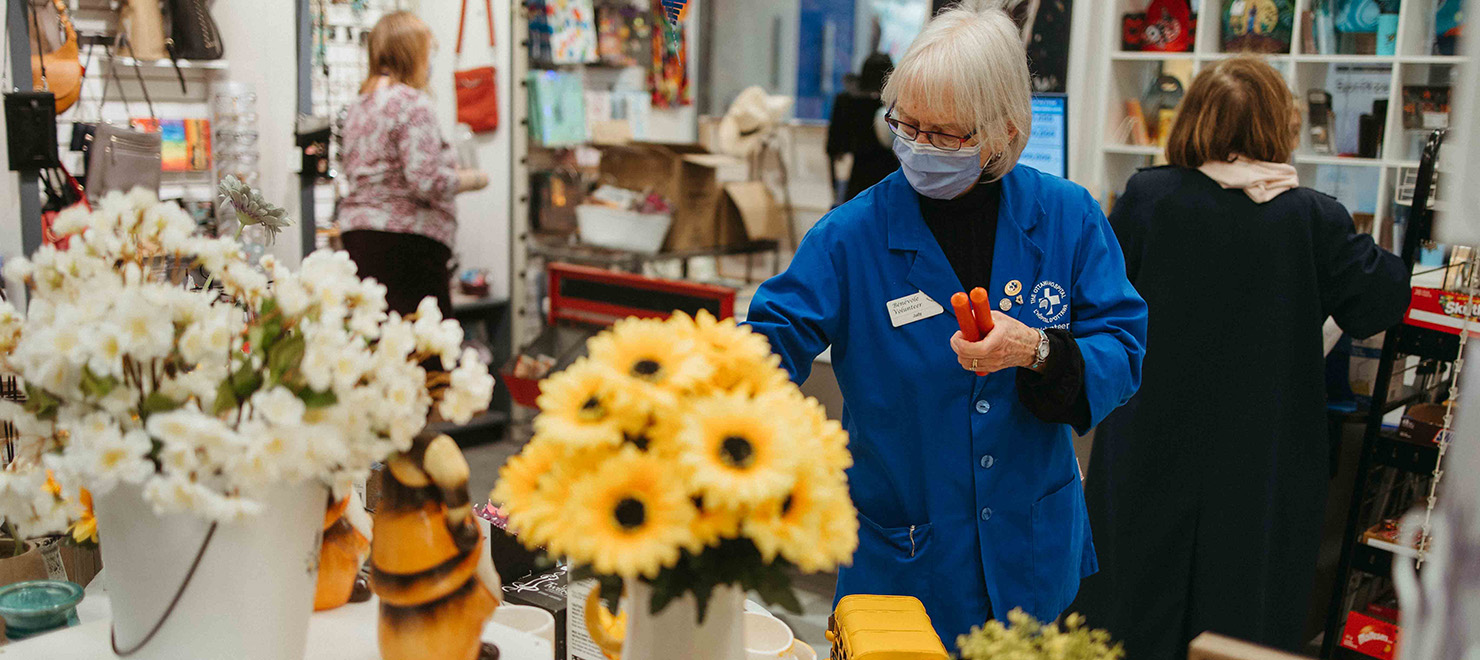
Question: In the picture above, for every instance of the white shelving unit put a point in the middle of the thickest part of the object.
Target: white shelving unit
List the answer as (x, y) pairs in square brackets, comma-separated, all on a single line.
[(1127, 75), (213, 65)]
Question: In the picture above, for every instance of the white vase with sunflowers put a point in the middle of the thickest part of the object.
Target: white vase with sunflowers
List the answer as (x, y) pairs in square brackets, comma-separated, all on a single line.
[(679, 459), (210, 423)]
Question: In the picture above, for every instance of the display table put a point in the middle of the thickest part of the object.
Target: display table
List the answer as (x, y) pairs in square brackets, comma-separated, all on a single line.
[(347, 633)]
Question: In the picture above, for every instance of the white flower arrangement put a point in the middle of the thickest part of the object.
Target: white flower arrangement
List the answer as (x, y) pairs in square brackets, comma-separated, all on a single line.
[(206, 400)]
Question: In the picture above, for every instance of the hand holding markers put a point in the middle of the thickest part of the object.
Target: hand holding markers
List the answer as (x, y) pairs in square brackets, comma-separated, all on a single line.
[(974, 315)]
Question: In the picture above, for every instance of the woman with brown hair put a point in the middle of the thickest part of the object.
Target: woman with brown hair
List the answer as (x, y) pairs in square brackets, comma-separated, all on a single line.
[(1207, 490), (398, 219)]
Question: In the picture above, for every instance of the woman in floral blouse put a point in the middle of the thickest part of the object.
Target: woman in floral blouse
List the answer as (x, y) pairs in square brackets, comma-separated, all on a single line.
[(398, 219)]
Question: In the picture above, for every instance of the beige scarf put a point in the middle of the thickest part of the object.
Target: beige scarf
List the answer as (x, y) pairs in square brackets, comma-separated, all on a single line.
[(1259, 180)]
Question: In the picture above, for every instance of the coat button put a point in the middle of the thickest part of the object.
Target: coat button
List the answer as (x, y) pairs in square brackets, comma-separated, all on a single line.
[(988, 461), (982, 407), (986, 513)]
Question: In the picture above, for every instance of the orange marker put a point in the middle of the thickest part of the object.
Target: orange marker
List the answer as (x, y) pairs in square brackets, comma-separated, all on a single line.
[(983, 308), (964, 318), (962, 305)]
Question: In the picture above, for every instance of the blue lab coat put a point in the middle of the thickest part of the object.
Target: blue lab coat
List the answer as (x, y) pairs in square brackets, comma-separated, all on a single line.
[(963, 495)]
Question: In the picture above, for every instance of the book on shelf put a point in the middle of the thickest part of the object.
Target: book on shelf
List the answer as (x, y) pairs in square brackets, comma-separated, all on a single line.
[(1140, 134), (185, 144), (198, 144), (557, 108)]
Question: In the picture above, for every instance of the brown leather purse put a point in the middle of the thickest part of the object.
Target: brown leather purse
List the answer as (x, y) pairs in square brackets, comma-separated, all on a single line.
[(60, 70)]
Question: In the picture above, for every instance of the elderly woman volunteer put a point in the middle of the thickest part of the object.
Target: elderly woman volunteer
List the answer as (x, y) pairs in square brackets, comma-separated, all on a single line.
[(967, 486)]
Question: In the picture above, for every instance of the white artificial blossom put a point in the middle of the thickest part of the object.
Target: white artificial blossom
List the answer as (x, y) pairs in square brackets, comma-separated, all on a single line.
[(206, 399)]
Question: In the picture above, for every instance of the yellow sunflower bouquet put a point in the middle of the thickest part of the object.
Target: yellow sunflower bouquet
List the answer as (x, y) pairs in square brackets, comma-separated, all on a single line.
[(679, 453)]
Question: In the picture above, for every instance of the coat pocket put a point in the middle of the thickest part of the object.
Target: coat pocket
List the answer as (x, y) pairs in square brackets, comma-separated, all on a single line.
[(1058, 548), (890, 561)]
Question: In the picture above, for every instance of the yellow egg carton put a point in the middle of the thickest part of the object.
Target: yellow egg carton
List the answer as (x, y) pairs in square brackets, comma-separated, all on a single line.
[(865, 627)]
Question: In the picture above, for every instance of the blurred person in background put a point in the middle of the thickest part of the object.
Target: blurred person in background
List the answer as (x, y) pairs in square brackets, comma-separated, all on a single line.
[(399, 219), (857, 128), (1207, 490)]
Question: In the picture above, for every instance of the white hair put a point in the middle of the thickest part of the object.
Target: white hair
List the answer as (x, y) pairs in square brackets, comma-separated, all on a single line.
[(969, 62)]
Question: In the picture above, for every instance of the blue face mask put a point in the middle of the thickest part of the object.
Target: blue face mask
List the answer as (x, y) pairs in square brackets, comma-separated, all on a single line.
[(937, 173)]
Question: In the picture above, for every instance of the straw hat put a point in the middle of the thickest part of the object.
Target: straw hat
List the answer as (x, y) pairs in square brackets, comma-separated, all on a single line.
[(750, 119)]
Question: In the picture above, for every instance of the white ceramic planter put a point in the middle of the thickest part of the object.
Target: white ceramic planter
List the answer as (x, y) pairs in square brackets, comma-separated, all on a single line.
[(251, 595), (675, 631)]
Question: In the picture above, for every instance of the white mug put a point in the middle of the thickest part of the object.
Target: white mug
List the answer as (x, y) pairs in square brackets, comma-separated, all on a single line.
[(768, 638), (524, 618)]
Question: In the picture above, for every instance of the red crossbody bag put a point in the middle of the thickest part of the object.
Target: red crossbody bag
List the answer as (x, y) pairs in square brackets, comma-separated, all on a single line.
[(477, 88)]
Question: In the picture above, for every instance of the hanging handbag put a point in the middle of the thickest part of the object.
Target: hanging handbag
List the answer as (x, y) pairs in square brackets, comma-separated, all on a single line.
[(59, 71), (120, 158), (82, 129), (62, 192), (31, 130), (145, 29), (477, 88), (193, 33)]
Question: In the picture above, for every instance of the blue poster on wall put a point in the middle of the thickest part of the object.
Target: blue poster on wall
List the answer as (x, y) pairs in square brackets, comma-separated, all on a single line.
[(824, 55)]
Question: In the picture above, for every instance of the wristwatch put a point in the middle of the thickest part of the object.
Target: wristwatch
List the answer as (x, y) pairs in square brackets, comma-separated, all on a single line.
[(1040, 355)]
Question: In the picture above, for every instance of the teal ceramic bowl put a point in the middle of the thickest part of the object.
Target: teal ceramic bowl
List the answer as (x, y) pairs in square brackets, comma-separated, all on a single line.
[(37, 606)]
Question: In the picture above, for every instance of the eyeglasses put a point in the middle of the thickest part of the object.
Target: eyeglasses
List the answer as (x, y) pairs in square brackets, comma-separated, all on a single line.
[(911, 132)]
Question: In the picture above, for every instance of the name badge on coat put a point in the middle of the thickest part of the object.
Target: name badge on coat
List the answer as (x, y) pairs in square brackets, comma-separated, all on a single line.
[(911, 308)]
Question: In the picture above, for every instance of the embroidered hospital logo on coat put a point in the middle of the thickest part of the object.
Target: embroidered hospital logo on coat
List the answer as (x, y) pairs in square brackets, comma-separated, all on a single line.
[(1049, 301)]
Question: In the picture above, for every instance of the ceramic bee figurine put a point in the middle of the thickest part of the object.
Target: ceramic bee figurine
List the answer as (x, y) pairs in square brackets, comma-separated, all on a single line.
[(346, 546), (428, 564)]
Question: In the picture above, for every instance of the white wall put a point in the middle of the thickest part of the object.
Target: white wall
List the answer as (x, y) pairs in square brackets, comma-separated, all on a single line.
[(743, 51), (482, 216), (261, 43), (1083, 96)]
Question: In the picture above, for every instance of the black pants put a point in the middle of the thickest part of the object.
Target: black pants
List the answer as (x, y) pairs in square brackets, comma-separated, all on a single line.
[(411, 267)]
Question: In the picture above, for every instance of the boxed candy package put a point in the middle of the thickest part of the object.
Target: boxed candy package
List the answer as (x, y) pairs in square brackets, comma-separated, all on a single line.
[(551, 591), (1370, 636), (513, 561)]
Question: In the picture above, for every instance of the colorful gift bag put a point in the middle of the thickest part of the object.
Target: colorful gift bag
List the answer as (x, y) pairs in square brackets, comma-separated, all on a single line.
[(1258, 26)]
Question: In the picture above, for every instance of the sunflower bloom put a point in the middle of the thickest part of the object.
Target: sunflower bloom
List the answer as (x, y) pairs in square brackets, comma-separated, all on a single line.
[(533, 487), (713, 524), (814, 526), (650, 352), (583, 407), (822, 440), (739, 451), (631, 518), (742, 359)]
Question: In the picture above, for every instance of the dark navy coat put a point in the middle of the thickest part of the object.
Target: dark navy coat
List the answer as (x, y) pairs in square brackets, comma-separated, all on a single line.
[(1208, 490)]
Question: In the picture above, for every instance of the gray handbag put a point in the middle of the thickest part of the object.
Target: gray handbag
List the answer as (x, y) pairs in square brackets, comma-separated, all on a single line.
[(121, 158)]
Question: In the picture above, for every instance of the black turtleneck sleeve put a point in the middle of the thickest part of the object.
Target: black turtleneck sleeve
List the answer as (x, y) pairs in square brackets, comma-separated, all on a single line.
[(966, 229)]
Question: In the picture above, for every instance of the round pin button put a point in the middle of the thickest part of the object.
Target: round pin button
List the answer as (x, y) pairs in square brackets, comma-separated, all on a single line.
[(1004, 305), (1012, 288)]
